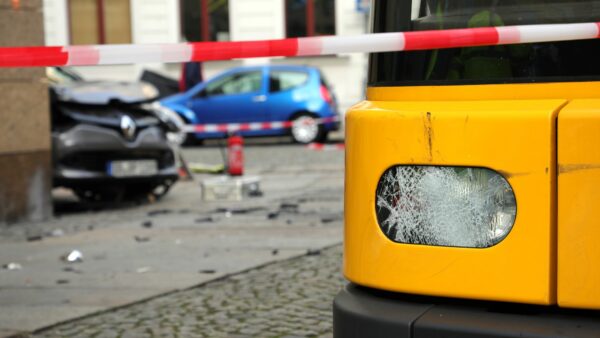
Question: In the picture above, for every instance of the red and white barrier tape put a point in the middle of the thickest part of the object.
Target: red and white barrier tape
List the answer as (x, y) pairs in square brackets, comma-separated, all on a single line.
[(326, 45), (235, 127), (326, 147)]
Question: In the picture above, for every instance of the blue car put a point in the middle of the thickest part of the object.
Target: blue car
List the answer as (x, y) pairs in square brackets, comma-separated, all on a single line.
[(259, 95)]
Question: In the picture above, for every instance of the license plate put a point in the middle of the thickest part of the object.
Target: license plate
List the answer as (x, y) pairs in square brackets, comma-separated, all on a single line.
[(132, 168)]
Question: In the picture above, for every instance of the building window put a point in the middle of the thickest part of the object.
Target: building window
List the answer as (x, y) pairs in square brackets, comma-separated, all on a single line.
[(99, 21), (309, 17), (205, 20)]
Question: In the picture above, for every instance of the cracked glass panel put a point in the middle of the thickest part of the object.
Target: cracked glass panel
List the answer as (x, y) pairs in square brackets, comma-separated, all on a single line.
[(445, 206)]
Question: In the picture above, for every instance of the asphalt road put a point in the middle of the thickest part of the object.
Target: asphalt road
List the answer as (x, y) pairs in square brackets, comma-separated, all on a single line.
[(285, 169), (210, 250)]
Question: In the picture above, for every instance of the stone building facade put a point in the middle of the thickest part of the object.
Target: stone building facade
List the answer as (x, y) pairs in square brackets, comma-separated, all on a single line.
[(25, 156)]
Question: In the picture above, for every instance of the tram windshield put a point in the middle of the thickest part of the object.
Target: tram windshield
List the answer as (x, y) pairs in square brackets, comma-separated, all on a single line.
[(535, 62)]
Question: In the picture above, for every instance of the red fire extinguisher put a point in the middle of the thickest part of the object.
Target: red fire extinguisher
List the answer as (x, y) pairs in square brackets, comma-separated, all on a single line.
[(235, 155)]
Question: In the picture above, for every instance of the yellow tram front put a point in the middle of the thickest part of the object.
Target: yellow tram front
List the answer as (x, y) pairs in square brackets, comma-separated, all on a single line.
[(473, 180)]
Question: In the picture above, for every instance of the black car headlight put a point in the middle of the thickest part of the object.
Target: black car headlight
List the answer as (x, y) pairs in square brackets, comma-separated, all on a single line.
[(175, 124)]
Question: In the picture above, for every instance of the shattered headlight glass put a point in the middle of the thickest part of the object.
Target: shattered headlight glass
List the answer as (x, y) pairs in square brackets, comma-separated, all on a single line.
[(445, 206)]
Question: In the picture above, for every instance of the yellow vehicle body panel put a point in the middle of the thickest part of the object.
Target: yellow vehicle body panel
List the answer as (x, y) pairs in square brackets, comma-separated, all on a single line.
[(579, 208), (513, 137)]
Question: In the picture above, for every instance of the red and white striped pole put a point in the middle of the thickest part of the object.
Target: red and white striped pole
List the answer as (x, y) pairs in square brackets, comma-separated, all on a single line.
[(370, 43)]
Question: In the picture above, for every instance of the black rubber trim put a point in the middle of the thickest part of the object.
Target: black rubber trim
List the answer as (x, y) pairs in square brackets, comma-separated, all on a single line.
[(362, 312), (456, 322), (357, 314), (89, 182)]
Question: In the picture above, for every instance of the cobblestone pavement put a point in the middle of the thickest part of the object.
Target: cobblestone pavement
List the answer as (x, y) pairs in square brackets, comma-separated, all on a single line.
[(292, 298)]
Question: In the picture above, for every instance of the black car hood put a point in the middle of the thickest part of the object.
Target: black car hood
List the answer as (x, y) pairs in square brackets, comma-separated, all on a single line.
[(105, 92)]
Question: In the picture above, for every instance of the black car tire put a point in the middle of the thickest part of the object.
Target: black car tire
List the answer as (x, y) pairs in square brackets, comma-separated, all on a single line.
[(305, 129), (143, 192), (191, 140)]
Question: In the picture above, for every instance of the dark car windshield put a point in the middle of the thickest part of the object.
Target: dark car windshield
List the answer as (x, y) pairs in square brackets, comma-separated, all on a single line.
[(62, 75), (538, 62)]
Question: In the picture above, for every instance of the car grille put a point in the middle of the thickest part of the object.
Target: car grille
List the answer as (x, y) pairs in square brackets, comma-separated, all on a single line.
[(98, 160), (110, 118)]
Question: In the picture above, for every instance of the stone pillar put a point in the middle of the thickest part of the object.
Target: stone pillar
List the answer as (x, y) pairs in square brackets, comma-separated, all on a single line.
[(25, 156)]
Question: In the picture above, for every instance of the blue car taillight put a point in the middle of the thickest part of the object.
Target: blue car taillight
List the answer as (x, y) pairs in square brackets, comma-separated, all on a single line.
[(326, 95)]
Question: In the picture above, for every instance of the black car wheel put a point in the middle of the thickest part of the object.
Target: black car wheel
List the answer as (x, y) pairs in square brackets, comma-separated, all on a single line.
[(191, 140)]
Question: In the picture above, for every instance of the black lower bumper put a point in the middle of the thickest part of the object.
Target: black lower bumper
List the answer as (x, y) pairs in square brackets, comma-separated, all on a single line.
[(94, 180), (360, 312), (333, 126)]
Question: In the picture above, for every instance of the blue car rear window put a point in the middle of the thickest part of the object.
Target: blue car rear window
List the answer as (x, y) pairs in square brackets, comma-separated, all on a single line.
[(284, 80)]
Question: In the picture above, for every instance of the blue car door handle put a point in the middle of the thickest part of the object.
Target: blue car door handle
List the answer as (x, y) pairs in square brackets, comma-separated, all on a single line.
[(259, 98)]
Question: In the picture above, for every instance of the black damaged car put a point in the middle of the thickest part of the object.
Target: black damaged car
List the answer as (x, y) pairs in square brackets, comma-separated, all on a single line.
[(111, 141)]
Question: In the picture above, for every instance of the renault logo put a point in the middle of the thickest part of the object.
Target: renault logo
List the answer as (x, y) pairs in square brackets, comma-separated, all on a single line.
[(128, 127)]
